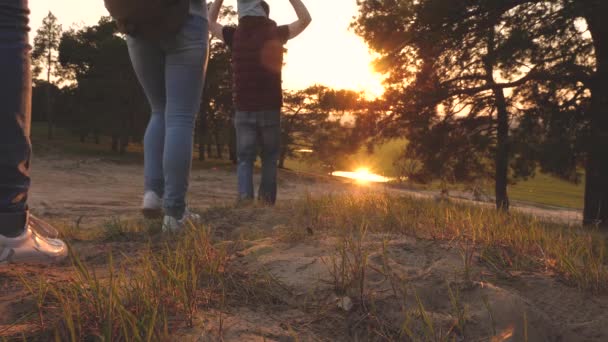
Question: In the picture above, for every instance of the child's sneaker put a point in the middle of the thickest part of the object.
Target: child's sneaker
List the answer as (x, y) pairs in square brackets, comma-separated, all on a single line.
[(152, 205), (173, 225)]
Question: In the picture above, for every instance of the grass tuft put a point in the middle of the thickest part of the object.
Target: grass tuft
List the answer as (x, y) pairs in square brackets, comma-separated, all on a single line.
[(507, 241)]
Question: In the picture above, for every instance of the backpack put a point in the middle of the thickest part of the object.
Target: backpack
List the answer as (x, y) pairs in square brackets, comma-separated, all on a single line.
[(149, 19)]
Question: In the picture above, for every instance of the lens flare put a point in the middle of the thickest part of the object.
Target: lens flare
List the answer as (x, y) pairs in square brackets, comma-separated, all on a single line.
[(362, 175)]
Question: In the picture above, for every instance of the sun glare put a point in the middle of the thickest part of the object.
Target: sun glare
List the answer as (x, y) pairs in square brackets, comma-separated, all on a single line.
[(362, 176)]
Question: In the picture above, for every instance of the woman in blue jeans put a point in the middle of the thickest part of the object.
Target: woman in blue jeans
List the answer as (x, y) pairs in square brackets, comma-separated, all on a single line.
[(171, 72), (23, 238)]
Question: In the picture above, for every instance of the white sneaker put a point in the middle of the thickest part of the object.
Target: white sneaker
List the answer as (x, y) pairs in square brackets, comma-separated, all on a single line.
[(173, 225), (152, 205), (37, 245)]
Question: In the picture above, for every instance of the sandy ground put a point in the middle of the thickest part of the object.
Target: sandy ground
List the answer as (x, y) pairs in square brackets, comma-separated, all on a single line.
[(535, 305), (93, 190)]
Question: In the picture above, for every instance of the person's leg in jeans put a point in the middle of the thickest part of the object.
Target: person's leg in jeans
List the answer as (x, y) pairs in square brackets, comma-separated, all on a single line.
[(23, 238), (148, 61), (270, 130), (246, 142), (186, 62), (15, 92), (171, 73)]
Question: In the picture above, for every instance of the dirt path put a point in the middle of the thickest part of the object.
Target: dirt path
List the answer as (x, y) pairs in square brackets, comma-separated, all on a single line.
[(94, 190)]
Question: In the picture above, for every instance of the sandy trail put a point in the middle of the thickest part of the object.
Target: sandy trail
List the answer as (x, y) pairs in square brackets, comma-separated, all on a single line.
[(93, 190)]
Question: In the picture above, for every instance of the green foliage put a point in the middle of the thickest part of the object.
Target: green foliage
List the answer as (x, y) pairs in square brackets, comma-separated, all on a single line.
[(46, 45), (481, 87), (215, 125), (333, 124), (44, 56), (106, 97), (40, 100)]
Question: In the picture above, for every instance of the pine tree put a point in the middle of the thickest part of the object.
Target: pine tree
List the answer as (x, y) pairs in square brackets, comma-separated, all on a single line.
[(448, 63), (45, 56)]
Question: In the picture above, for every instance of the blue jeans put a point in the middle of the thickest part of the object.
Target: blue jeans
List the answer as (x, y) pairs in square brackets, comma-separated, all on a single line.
[(171, 73), (15, 113), (253, 127)]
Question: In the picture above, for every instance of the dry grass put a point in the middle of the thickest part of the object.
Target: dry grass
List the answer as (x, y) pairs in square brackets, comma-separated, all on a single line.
[(145, 296), (150, 293), (506, 241)]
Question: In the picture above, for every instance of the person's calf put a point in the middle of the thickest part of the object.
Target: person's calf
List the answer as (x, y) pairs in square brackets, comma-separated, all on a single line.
[(245, 176)]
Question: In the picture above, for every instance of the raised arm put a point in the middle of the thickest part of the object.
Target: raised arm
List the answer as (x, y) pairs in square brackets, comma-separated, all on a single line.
[(303, 21), (214, 27)]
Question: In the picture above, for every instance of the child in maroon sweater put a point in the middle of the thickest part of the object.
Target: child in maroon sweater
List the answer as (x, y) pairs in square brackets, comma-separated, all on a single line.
[(257, 59)]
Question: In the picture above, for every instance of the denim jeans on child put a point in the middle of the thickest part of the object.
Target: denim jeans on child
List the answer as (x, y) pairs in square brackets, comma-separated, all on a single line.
[(171, 72), (252, 128)]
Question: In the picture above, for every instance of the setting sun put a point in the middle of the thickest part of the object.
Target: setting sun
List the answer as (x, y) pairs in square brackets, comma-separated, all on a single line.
[(362, 175)]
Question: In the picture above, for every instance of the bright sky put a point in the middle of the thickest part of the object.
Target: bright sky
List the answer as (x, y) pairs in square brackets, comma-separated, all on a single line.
[(326, 53)]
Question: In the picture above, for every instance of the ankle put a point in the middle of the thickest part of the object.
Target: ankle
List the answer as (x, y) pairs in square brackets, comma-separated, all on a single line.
[(13, 224), (177, 214)]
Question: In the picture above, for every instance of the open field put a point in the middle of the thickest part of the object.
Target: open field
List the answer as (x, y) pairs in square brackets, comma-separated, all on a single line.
[(332, 262)]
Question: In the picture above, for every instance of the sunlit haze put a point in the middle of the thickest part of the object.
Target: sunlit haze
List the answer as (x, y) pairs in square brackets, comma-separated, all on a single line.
[(362, 176), (326, 53)]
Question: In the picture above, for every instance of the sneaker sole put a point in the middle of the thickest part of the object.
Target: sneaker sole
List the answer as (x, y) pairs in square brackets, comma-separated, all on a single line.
[(152, 214)]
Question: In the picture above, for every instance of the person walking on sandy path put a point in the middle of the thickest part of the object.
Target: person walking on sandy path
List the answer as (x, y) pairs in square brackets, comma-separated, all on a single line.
[(23, 237), (171, 71), (257, 61)]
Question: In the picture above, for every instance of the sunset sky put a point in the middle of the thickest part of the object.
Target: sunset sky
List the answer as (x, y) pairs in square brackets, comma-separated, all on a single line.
[(326, 53)]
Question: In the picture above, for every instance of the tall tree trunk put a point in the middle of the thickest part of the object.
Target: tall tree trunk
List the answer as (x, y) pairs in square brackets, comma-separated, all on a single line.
[(218, 144), (209, 148), (232, 144), (219, 148), (282, 157), (124, 138), (115, 142), (501, 175), (202, 132), (596, 187), (49, 107), (124, 143), (502, 151)]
